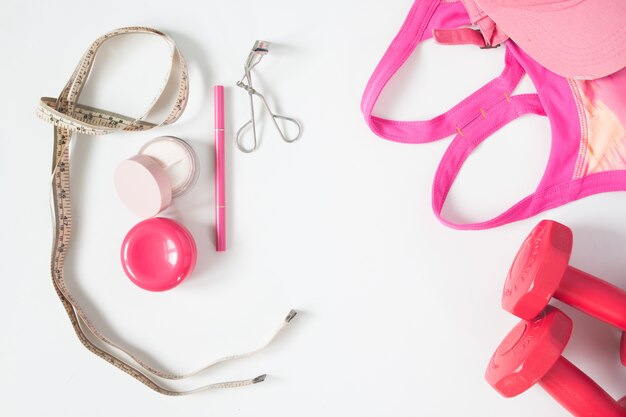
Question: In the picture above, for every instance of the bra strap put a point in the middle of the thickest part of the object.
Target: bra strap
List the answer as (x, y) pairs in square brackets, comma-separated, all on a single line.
[(460, 36), (423, 18), (462, 146)]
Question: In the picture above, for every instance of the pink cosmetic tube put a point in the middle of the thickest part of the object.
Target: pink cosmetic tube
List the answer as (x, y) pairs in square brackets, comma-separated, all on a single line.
[(220, 188)]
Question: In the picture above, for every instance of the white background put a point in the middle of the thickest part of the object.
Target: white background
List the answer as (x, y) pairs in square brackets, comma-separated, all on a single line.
[(398, 314)]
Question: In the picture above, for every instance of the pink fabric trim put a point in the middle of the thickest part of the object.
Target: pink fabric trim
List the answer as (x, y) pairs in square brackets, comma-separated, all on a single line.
[(460, 36), (582, 151), (550, 198)]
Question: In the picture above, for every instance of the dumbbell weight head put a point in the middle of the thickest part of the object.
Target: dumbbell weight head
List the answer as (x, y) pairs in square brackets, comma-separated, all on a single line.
[(531, 353), (528, 352), (537, 270)]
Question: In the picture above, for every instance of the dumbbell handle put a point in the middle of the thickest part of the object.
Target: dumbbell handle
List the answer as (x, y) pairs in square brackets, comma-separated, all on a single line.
[(594, 296), (578, 393)]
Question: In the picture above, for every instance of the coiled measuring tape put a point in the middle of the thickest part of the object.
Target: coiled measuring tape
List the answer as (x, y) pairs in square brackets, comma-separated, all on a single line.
[(69, 117)]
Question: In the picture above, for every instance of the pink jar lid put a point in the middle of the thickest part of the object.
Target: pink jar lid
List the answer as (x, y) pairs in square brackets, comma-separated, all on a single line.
[(164, 168), (158, 253), (143, 185)]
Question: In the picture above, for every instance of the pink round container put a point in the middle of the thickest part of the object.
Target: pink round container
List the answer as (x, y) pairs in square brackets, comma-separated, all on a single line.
[(158, 254), (164, 168)]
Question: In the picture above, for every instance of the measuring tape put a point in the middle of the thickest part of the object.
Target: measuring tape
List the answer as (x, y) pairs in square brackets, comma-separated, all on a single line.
[(69, 117)]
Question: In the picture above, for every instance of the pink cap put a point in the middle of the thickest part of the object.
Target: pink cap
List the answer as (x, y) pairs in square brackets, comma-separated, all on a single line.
[(143, 185), (158, 253), (583, 39)]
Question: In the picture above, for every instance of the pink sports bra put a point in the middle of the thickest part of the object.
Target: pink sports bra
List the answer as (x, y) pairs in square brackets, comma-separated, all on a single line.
[(587, 119)]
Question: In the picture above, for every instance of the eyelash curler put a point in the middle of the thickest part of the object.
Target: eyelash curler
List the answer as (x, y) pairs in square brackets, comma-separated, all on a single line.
[(259, 50)]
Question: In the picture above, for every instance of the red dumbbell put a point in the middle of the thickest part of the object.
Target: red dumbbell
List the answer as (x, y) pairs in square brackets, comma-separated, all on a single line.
[(531, 353), (540, 271)]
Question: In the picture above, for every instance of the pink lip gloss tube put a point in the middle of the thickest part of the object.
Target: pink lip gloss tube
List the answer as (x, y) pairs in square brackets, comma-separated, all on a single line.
[(220, 188)]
